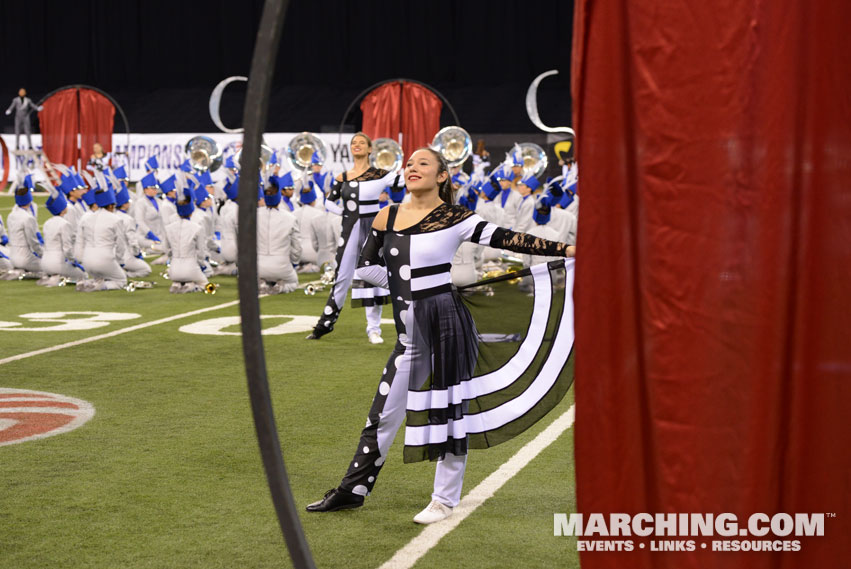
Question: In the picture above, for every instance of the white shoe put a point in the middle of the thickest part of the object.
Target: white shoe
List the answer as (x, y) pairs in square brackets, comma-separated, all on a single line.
[(375, 338), (434, 512)]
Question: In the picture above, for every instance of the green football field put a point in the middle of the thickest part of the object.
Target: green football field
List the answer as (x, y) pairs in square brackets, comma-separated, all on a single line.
[(167, 473)]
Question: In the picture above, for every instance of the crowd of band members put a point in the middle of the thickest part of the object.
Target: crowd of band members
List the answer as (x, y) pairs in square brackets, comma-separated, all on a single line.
[(102, 231)]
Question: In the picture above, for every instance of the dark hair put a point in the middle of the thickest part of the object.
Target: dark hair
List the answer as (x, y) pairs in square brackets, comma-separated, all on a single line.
[(21, 190), (444, 190)]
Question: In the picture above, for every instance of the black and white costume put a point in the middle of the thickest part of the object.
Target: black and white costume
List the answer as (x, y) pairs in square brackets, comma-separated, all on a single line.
[(429, 375), (360, 206)]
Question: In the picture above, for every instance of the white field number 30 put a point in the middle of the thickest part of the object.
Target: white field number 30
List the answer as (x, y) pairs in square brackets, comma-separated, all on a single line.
[(66, 321)]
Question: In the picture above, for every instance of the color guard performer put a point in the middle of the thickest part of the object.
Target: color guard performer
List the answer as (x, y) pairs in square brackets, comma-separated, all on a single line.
[(359, 189)]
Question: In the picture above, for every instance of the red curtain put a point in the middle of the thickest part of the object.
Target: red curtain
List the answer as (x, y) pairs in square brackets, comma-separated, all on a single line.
[(420, 117), (97, 116), (70, 112), (59, 121), (380, 108), (402, 107), (713, 369)]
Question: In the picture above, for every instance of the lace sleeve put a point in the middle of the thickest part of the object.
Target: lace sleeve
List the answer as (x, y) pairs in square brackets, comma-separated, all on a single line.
[(524, 243)]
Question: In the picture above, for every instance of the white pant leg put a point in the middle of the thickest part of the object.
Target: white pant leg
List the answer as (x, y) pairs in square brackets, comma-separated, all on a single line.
[(373, 319), (449, 479)]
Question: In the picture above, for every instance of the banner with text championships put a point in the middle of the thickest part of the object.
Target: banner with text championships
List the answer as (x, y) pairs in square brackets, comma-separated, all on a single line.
[(169, 149)]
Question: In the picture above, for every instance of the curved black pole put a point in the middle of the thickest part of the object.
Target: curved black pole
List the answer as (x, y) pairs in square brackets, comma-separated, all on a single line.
[(102, 92), (366, 91), (254, 121)]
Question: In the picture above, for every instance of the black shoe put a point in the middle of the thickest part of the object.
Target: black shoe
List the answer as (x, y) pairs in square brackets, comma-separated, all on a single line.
[(336, 499), (318, 333)]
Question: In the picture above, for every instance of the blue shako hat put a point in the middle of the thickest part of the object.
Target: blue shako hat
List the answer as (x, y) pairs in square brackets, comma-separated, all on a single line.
[(67, 183), (152, 164), (122, 196), (186, 209), (231, 189), (307, 194), (531, 182), (490, 191), (201, 194), (272, 200), (56, 203), (104, 194), (185, 166), (285, 181), (542, 212), (503, 174), (150, 181), (315, 159), (205, 178), (168, 184), (230, 163), (89, 197), (27, 198), (120, 173)]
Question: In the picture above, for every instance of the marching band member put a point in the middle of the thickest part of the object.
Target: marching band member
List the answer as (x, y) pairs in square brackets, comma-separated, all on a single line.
[(509, 199), (134, 265), (228, 223), (146, 211), (526, 189), (541, 227), (201, 216), (25, 248), (101, 243), (58, 258), (5, 262), (317, 245), (359, 189), (184, 244), (408, 249), (278, 245), (322, 179), (286, 185)]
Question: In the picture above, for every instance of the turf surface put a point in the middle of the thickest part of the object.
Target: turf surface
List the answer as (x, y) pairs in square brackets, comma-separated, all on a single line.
[(167, 473)]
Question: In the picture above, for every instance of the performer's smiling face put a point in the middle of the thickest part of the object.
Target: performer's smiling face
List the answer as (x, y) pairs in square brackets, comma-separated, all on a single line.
[(421, 171), (360, 146)]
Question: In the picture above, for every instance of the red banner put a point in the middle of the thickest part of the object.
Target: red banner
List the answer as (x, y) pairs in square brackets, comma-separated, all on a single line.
[(713, 368), (72, 112), (402, 107)]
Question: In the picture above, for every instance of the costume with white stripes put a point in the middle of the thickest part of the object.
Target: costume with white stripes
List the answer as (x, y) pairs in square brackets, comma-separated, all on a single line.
[(430, 374), (360, 206)]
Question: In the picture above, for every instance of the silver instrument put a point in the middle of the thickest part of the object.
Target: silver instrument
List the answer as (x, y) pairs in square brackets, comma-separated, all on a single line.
[(136, 285), (386, 154), (265, 156), (204, 153), (301, 148), (534, 159), (454, 144), (327, 278)]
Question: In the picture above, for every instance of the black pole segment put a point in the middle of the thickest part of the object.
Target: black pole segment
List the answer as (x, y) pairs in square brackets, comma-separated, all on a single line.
[(254, 122)]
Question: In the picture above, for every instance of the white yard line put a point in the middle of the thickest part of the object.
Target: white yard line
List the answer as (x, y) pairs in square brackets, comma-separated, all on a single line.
[(406, 557), (114, 333)]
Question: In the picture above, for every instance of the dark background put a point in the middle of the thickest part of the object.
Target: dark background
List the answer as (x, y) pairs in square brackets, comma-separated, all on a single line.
[(160, 60)]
